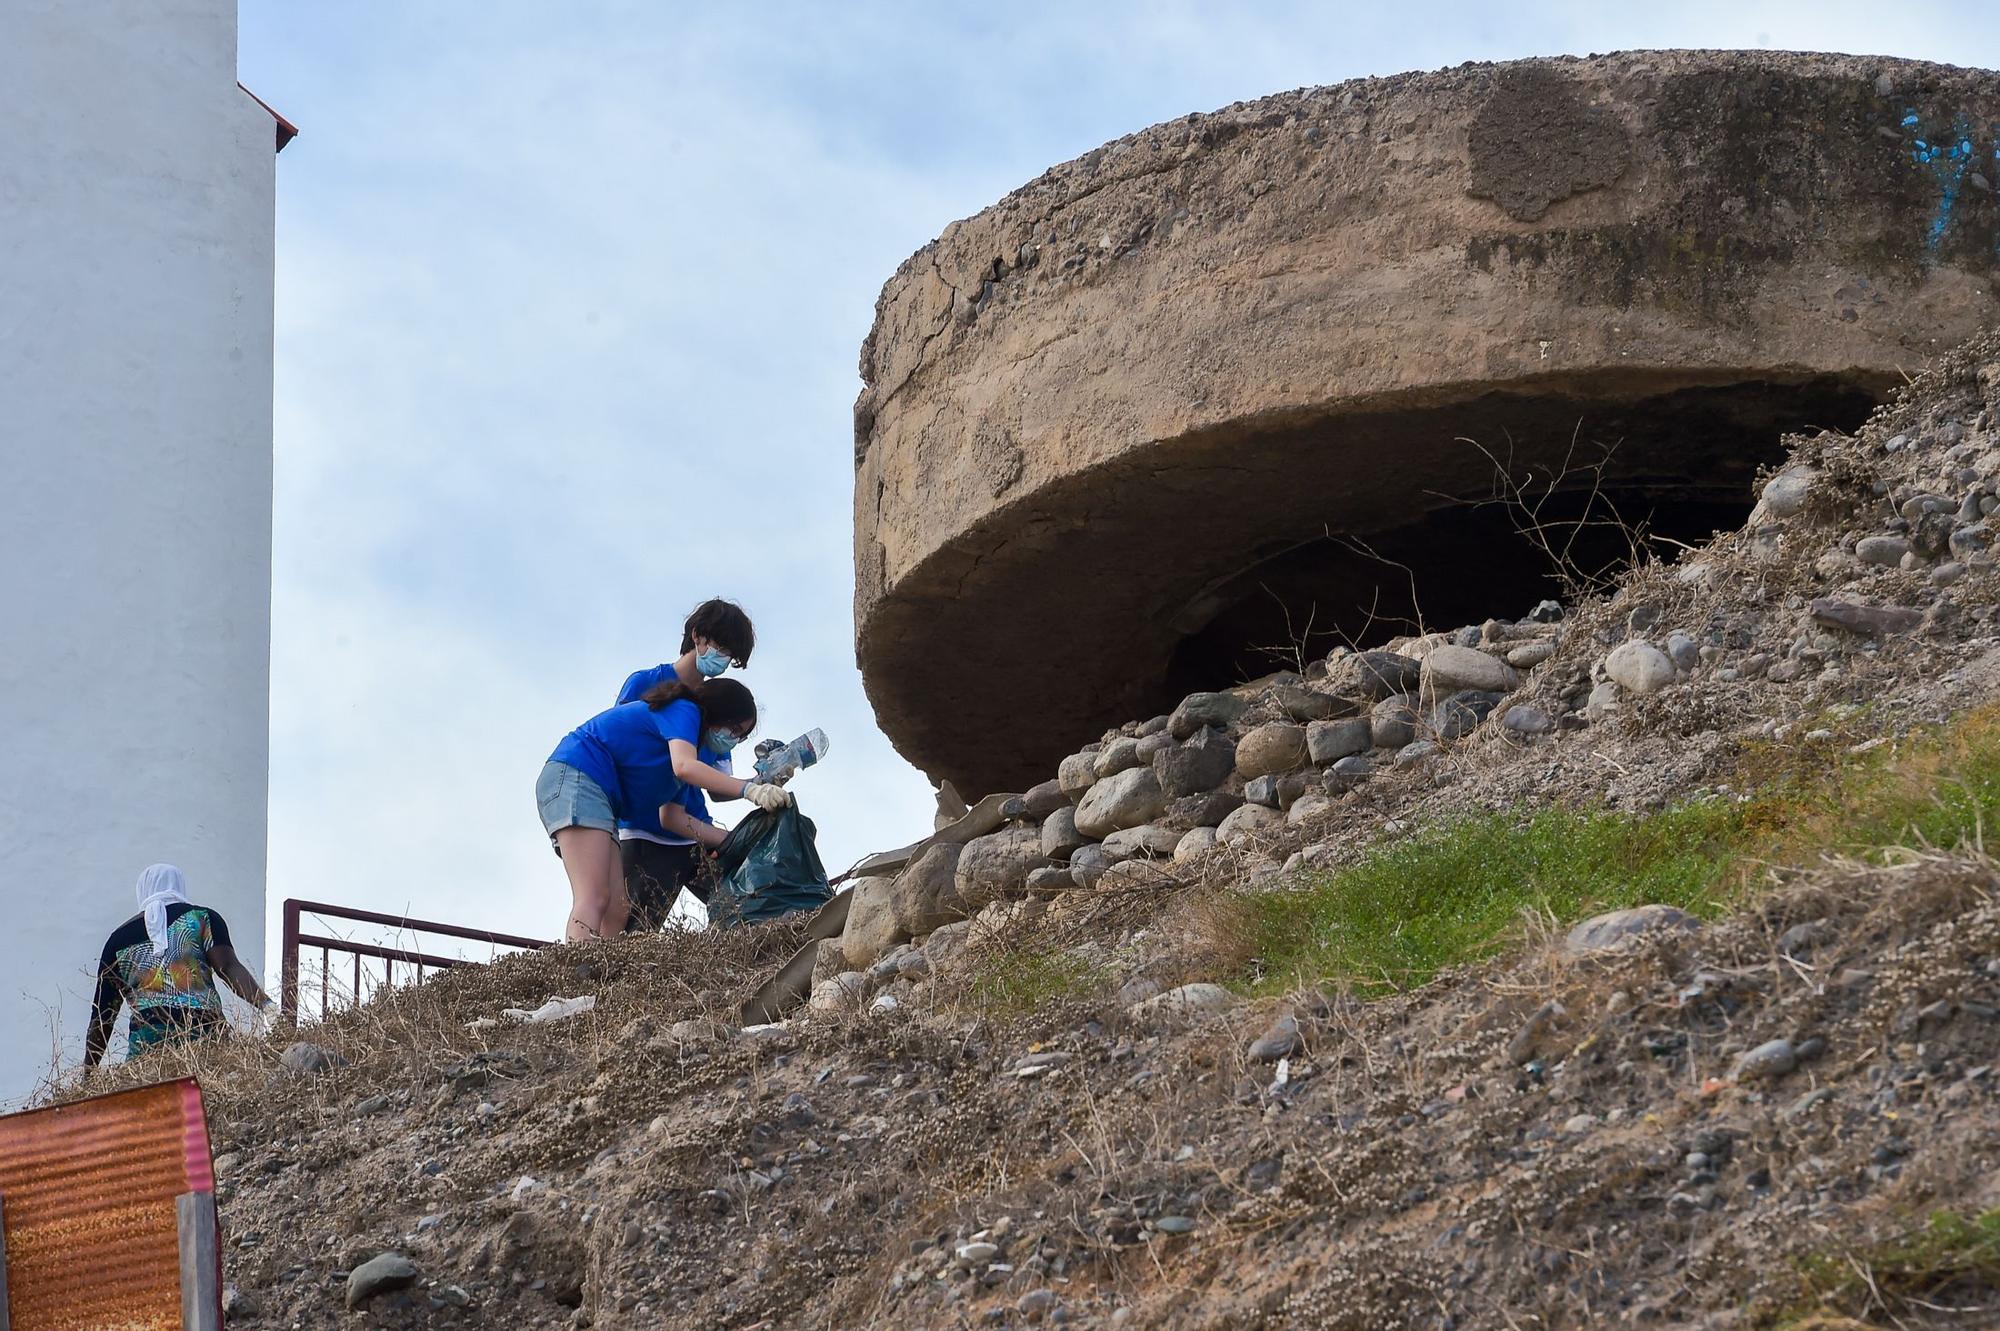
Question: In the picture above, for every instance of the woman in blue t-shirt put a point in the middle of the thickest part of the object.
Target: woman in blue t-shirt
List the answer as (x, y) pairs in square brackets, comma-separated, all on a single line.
[(637, 757)]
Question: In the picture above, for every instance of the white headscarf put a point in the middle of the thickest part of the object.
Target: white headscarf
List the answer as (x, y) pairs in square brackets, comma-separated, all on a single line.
[(160, 886)]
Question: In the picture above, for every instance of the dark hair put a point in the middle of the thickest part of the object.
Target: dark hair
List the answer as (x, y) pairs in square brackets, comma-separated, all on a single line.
[(724, 624), (722, 702)]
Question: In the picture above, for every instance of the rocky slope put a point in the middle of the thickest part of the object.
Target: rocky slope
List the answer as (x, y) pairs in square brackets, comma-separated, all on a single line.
[(1727, 1123)]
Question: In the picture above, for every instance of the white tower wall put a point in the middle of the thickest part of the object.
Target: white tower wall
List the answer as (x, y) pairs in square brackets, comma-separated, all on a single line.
[(136, 221)]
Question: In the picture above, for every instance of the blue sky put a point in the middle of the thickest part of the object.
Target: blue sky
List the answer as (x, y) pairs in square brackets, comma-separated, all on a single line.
[(569, 303)]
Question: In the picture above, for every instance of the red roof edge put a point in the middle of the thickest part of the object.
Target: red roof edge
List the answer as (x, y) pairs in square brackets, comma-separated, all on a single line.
[(287, 131)]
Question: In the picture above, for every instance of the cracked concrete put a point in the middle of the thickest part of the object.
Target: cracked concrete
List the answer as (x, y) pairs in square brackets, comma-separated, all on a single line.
[(1208, 358)]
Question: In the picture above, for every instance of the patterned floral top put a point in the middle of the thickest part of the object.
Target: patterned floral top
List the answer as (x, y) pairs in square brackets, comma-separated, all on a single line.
[(172, 992)]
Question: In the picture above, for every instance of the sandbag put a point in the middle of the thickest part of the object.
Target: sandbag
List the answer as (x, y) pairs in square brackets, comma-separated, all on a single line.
[(768, 867)]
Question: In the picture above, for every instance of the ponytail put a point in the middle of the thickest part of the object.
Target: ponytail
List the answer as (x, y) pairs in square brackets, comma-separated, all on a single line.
[(721, 702)]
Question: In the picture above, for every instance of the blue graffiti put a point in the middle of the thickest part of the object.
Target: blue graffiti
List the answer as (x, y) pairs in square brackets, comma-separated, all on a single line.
[(1947, 159)]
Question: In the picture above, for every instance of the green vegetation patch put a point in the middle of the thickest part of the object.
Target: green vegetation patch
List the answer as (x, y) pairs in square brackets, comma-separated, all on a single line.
[(1023, 979), (1950, 1261), (1454, 894), (1457, 893)]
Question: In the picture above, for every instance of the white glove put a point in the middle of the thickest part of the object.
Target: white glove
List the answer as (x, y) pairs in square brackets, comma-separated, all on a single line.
[(767, 796)]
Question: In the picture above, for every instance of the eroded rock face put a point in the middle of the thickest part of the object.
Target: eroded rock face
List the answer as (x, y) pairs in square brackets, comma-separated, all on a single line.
[(1161, 400)]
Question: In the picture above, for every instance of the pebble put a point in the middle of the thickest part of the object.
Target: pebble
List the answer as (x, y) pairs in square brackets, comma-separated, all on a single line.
[(838, 994), (1881, 551), (1327, 742), (1201, 764), (1349, 772), (378, 1275), (1075, 774), (1271, 749), (1874, 621), (1049, 880), (1187, 1001), (1392, 722), (1768, 1061), (1194, 842), (1462, 712), (1372, 675), (1037, 1304), (1220, 710), (1127, 799), (1148, 839), (1245, 822), (304, 1059), (1639, 667), (1527, 719), (1683, 651), (1087, 864), (1279, 1040), (1059, 837), (1785, 494), (1174, 1224), (1615, 927), (1531, 654), (977, 1254), (1303, 808), (1417, 753), (1579, 1124), (1527, 1042), (1451, 669), (1118, 756), (1800, 940)]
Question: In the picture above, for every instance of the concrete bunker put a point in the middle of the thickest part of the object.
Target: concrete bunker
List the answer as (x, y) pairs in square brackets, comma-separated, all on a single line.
[(1236, 385)]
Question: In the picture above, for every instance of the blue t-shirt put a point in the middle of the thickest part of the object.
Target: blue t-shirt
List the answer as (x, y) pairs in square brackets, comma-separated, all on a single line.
[(624, 750), (647, 824), (641, 682)]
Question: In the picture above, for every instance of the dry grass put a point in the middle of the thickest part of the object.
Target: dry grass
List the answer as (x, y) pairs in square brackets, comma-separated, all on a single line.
[(411, 1029)]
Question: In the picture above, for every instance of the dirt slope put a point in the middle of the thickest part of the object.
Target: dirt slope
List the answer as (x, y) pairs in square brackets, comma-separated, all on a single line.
[(1556, 1138)]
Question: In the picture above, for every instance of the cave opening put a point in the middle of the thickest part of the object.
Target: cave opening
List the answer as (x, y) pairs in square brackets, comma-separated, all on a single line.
[(1557, 507)]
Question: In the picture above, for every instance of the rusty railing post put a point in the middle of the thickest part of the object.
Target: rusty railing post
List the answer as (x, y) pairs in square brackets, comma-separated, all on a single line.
[(288, 966)]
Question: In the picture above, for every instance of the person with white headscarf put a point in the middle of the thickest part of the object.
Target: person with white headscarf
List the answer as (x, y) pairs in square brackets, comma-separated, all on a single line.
[(163, 961)]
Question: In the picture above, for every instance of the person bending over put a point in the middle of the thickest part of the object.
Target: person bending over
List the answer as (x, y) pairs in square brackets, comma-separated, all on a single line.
[(627, 763), (163, 961), (663, 855)]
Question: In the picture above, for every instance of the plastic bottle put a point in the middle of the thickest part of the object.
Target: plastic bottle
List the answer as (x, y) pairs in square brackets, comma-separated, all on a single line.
[(788, 759)]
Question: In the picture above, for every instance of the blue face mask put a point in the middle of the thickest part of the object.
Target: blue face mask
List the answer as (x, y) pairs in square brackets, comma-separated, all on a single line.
[(719, 740), (711, 663)]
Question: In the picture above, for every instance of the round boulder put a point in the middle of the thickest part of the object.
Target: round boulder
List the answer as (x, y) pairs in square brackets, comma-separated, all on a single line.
[(1272, 748), (1117, 802)]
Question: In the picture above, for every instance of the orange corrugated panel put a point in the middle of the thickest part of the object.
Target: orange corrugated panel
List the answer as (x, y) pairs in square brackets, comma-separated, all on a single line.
[(87, 1191)]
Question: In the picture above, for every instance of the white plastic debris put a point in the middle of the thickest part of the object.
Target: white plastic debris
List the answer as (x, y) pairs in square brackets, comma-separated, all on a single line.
[(1283, 1074), (556, 1009), (481, 1024)]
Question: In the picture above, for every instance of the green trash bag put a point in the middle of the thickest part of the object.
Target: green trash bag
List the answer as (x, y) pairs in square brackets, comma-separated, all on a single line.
[(767, 867)]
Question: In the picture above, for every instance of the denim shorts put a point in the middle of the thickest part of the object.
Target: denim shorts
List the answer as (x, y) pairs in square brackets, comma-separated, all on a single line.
[(568, 798)]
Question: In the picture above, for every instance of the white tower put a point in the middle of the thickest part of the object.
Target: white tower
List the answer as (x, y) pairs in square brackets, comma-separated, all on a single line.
[(136, 218)]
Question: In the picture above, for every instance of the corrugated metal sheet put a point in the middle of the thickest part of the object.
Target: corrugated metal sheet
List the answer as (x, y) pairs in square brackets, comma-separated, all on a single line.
[(87, 1191)]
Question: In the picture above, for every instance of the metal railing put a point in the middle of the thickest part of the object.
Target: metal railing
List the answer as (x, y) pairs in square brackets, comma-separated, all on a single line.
[(295, 941)]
